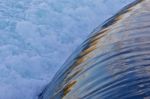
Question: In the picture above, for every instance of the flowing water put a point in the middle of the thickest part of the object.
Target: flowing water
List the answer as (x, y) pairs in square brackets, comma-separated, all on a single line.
[(114, 63)]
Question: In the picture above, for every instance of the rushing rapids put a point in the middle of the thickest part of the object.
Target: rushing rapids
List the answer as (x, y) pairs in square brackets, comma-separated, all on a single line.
[(114, 63)]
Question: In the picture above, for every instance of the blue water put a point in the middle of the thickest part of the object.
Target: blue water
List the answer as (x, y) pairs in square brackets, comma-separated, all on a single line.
[(113, 63)]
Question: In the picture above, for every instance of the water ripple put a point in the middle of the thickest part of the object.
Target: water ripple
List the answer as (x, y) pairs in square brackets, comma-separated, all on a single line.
[(114, 63)]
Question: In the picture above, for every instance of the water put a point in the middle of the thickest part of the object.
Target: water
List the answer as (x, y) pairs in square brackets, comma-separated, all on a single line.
[(114, 63)]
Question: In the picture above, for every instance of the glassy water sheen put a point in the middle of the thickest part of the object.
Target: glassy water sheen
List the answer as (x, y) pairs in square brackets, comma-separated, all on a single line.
[(114, 63)]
